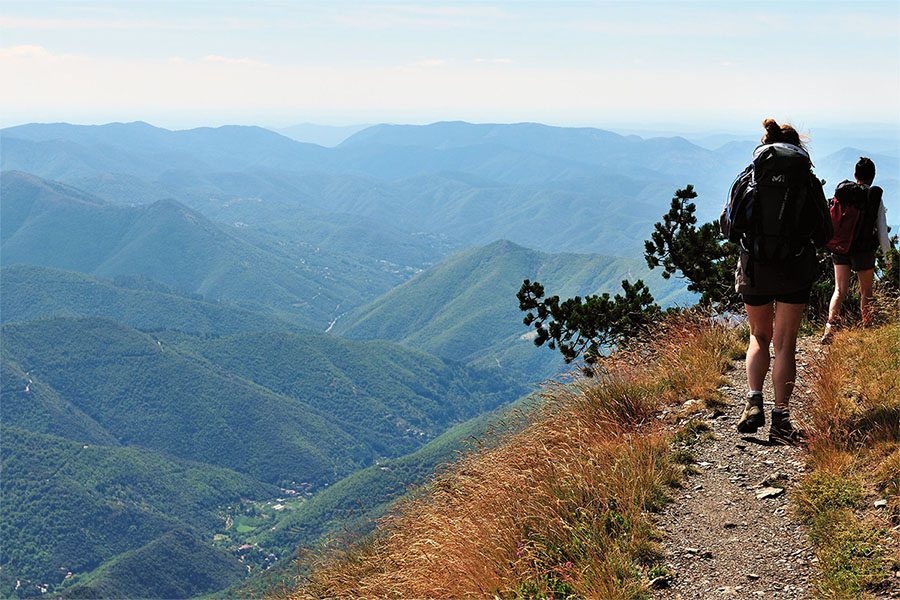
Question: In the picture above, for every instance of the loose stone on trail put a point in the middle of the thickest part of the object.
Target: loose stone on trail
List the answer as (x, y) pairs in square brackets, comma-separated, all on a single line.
[(769, 492)]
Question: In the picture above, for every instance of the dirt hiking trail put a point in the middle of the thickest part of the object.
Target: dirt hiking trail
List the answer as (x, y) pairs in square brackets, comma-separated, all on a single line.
[(731, 531)]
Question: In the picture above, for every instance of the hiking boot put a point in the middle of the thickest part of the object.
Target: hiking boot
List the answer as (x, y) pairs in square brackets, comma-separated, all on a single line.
[(782, 432), (753, 417), (828, 336)]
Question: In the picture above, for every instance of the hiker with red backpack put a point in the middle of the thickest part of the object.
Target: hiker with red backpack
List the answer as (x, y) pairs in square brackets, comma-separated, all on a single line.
[(859, 220), (777, 213)]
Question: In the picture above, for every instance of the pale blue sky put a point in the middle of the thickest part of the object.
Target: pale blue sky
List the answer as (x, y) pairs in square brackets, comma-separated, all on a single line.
[(723, 64)]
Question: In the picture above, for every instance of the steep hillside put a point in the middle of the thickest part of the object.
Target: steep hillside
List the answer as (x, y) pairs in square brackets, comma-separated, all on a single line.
[(351, 506), (396, 397), (58, 492), (143, 393), (465, 307), (33, 405), (280, 407), (46, 224), (176, 565), (29, 292)]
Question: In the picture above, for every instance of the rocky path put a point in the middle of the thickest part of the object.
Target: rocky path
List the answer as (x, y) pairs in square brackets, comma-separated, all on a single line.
[(731, 532)]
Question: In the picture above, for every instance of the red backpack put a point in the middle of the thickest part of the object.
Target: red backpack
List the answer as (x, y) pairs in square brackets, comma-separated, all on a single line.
[(853, 213)]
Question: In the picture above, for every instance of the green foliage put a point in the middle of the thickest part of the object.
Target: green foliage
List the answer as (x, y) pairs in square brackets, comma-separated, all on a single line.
[(701, 255), (393, 398), (31, 292), (583, 327), (176, 565), (56, 492), (281, 407), (850, 549), (352, 504), (692, 433), (463, 307)]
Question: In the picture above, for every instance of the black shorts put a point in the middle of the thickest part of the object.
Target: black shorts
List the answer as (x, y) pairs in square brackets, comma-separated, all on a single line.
[(858, 261), (799, 297)]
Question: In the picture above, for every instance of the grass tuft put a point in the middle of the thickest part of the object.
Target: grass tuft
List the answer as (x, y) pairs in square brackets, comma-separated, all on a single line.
[(853, 458)]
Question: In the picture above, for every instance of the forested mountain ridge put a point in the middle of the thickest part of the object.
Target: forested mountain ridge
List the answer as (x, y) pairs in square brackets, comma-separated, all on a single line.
[(56, 491), (465, 308), (29, 292), (45, 224), (281, 407)]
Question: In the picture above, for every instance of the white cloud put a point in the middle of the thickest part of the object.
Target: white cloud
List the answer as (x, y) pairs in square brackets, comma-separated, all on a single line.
[(233, 61), (433, 62), (25, 52), (503, 61)]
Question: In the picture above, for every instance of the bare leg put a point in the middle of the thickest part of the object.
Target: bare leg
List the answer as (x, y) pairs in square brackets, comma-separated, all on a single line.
[(787, 323), (866, 279), (841, 287), (761, 324)]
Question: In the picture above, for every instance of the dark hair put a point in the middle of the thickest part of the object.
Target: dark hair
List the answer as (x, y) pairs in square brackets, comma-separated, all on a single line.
[(865, 170), (781, 133)]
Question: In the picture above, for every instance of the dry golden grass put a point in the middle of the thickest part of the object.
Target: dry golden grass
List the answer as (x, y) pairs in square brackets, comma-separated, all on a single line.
[(854, 457), (557, 509)]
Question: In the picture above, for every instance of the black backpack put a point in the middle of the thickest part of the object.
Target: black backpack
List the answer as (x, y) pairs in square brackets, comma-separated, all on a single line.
[(770, 210)]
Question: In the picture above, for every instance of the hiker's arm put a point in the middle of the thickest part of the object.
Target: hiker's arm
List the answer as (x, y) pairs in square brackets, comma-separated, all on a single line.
[(881, 227)]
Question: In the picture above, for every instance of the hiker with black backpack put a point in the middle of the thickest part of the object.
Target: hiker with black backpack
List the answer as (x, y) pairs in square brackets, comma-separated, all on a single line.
[(777, 213), (859, 220)]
